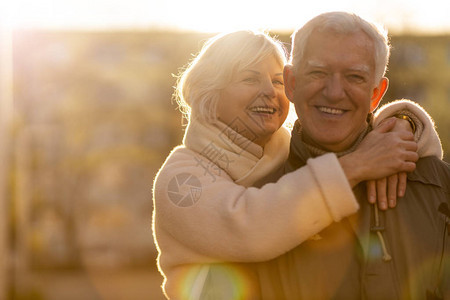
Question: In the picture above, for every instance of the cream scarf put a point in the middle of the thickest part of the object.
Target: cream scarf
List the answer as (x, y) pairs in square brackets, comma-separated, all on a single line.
[(244, 161)]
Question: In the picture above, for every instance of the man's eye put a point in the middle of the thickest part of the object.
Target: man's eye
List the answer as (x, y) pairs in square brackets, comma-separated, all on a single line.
[(317, 74), (357, 78)]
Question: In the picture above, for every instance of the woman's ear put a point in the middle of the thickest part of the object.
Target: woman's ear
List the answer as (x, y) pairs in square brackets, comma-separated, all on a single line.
[(289, 81), (378, 93)]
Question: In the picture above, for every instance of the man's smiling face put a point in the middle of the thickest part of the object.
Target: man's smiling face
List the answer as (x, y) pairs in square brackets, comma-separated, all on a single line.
[(335, 88)]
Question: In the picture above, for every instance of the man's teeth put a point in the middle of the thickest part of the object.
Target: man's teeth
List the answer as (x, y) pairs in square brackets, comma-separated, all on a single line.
[(330, 110), (260, 109)]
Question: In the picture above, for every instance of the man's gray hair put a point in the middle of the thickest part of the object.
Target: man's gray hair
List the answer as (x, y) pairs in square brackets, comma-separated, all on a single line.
[(344, 23)]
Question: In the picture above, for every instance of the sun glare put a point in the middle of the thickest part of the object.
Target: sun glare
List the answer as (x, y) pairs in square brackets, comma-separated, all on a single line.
[(17, 14), (214, 16)]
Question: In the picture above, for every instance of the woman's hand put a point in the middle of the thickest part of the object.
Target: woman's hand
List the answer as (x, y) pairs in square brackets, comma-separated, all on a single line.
[(382, 153), (385, 191)]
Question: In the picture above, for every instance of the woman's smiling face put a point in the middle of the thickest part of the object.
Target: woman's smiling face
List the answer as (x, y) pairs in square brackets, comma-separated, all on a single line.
[(254, 104)]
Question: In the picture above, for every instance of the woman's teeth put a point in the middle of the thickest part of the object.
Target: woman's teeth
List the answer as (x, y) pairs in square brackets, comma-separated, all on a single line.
[(266, 110)]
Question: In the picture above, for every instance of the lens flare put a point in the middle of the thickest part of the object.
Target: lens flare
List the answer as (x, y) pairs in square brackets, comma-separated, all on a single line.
[(220, 281)]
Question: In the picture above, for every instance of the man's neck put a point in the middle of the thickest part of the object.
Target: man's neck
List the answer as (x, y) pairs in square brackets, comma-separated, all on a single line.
[(317, 149), (301, 150)]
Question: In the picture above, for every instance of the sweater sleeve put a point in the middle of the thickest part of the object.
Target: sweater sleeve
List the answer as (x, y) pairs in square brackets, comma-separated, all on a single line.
[(426, 136), (228, 222)]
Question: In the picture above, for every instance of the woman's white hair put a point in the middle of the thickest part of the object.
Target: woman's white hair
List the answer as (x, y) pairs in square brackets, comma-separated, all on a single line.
[(343, 23), (200, 84)]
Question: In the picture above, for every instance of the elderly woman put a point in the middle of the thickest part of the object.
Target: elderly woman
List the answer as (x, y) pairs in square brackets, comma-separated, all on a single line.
[(208, 216)]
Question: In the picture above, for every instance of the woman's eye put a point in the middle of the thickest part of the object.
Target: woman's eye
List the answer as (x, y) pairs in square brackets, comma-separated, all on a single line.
[(278, 82), (250, 80)]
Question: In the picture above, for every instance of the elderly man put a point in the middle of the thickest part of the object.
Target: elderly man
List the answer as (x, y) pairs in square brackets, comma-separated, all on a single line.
[(335, 81)]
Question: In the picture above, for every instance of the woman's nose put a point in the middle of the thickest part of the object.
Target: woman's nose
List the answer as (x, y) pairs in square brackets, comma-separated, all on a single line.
[(268, 89)]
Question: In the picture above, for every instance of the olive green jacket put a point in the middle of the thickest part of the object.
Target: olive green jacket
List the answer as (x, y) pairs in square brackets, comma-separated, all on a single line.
[(347, 261)]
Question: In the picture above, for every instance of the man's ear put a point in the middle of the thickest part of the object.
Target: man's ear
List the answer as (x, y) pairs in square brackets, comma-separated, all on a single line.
[(289, 81), (378, 93)]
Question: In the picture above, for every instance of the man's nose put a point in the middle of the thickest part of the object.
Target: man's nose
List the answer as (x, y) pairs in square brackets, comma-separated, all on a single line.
[(334, 88)]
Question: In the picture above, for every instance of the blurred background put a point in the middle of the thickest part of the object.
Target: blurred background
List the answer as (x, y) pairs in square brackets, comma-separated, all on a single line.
[(86, 120)]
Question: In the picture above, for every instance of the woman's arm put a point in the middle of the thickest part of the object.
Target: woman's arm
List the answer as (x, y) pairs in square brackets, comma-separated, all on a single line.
[(386, 190), (228, 222), (425, 134), (381, 153), (216, 219)]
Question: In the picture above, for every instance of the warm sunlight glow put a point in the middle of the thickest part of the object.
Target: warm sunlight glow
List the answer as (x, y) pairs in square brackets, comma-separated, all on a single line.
[(214, 16)]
